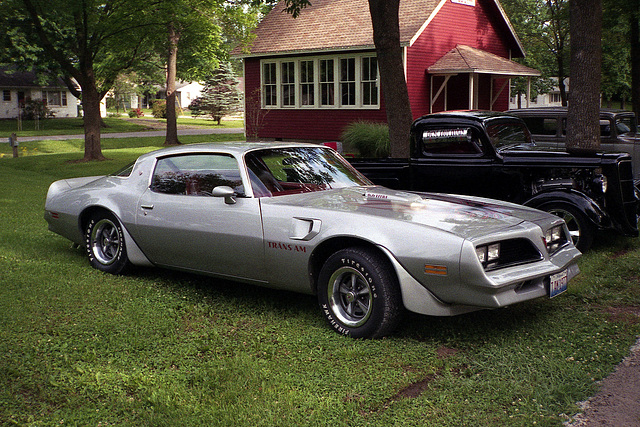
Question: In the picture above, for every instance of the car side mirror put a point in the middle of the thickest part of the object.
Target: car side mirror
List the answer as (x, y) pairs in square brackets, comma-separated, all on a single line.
[(225, 191)]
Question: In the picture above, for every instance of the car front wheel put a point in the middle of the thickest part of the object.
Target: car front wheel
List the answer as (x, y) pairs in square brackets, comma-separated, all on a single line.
[(359, 294), (105, 244)]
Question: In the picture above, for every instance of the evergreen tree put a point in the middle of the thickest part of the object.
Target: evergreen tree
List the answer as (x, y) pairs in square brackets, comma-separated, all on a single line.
[(220, 95)]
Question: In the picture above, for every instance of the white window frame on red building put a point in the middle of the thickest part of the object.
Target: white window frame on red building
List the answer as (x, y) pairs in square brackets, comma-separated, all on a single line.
[(310, 87)]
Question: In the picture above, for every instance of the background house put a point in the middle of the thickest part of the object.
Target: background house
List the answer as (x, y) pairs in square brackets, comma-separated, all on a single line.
[(185, 93), (551, 98), (20, 87), (309, 77)]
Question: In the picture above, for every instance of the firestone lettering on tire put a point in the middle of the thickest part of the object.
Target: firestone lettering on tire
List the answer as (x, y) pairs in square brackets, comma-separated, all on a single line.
[(333, 322)]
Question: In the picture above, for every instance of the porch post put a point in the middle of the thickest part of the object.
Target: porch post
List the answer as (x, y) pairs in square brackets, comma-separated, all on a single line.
[(471, 91)]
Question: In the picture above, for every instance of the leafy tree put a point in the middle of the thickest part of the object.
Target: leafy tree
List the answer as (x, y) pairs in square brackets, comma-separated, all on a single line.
[(196, 40), (583, 124), (543, 26), (91, 41), (621, 50), (123, 87), (220, 95)]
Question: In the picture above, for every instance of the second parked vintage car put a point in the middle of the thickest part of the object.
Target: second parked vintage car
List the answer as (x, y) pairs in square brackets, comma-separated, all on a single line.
[(299, 217), (618, 131), (491, 154)]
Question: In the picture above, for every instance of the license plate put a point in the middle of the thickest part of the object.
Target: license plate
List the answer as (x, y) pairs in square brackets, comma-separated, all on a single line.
[(557, 283)]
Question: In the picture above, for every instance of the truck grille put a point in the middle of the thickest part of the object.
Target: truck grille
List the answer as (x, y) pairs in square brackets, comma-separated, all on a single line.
[(625, 172)]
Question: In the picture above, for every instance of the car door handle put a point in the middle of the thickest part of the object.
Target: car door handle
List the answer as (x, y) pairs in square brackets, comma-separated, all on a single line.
[(148, 207)]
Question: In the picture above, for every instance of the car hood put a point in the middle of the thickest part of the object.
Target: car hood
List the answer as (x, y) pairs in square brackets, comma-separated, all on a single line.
[(468, 217)]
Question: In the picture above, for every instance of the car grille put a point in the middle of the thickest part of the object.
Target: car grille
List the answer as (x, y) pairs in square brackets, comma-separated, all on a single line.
[(514, 252)]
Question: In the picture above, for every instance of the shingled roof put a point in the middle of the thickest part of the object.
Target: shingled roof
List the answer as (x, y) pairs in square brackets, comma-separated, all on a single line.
[(25, 79), (465, 59), (339, 25)]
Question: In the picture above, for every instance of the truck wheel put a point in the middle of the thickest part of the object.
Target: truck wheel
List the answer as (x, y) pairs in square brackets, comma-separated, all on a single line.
[(104, 241), (581, 231), (359, 294)]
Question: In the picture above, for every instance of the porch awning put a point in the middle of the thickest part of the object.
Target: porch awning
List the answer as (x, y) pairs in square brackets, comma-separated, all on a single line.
[(471, 61), (464, 59)]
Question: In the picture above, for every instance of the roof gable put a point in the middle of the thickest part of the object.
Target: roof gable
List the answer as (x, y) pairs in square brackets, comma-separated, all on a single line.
[(331, 25)]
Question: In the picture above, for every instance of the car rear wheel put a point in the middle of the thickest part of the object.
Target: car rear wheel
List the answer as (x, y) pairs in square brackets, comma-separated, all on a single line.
[(105, 244), (581, 232), (359, 294)]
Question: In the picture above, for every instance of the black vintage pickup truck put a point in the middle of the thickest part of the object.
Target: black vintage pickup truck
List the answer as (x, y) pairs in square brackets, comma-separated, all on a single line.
[(491, 154)]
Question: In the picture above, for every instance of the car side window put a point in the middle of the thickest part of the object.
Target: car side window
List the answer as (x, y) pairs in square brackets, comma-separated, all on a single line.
[(463, 141), (542, 125), (605, 128), (196, 174)]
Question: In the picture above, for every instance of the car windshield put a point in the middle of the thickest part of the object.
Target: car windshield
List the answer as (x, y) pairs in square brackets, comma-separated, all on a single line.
[(292, 170), (504, 135)]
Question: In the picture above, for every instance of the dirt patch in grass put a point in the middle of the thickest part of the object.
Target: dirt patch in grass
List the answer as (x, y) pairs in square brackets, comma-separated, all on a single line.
[(413, 390), (626, 314), (445, 352)]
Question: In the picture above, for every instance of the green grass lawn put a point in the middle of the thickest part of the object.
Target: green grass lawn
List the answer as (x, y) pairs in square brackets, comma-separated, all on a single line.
[(79, 347), (74, 126)]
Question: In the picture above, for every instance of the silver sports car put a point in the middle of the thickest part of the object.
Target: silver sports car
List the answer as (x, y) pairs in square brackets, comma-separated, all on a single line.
[(299, 217)]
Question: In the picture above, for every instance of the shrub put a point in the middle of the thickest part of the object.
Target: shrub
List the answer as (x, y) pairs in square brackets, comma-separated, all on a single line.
[(36, 108), (136, 112), (196, 108), (159, 109), (371, 139)]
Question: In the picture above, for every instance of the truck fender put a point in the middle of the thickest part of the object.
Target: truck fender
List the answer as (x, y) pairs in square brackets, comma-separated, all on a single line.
[(578, 200)]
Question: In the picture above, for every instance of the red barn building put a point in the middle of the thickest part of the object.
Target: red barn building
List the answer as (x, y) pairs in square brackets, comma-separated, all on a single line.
[(309, 77)]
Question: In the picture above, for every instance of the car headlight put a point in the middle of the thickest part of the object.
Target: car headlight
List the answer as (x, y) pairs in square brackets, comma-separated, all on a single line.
[(554, 238), (600, 183), (488, 255)]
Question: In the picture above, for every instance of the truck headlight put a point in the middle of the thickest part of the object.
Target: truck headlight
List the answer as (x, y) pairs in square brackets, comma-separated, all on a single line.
[(600, 183)]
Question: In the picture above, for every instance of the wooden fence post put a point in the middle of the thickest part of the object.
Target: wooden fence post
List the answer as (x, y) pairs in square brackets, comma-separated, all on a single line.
[(13, 142)]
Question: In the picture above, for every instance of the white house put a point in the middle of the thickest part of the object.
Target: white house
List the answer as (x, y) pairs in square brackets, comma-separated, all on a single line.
[(19, 87), (185, 93), (549, 99)]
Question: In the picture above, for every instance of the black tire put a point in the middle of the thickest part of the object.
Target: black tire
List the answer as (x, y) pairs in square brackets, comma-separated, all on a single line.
[(582, 232), (359, 293), (104, 241)]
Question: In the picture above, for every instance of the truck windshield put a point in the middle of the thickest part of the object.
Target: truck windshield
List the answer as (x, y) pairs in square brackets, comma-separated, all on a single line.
[(503, 135)]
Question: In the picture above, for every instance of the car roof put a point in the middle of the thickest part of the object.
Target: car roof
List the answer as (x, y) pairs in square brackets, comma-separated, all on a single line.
[(554, 111), (482, 117), (232, 148)]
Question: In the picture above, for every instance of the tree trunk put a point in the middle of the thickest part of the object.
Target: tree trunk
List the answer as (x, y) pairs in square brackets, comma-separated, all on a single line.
[(92, 122), (172, 125), (634, 22), (583, 116), (386, 37)]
